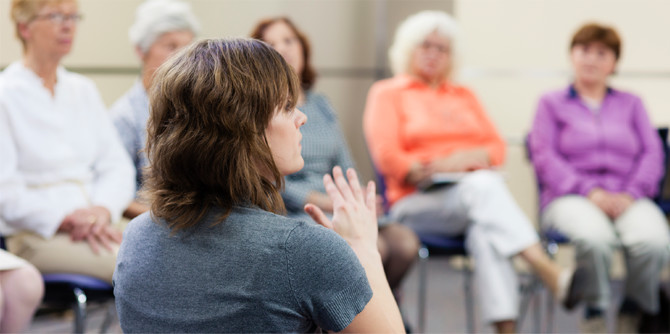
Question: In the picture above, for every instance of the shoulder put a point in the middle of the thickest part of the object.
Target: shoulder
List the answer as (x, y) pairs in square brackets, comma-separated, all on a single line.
[(464, 91), (143, 222), (625, 95), (555, 96), (390, 85), (14, 78), (312, 97), (306, 234), (124, 108), (310, 246), (77, 80), (318, 103)]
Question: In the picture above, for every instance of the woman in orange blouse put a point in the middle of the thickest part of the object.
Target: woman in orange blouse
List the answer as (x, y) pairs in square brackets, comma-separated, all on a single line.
[(418, 124)]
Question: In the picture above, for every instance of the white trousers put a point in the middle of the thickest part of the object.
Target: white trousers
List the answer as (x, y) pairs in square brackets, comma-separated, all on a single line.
[(641, 230), (496, 229)]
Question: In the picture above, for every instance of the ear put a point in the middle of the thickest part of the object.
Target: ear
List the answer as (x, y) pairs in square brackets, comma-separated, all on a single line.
[(23, 31), (140, 54)]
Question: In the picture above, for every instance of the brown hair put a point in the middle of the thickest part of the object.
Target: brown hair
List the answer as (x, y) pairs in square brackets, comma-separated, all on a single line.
[(210, 106), (308, 75), (593, 32), (25, 10)]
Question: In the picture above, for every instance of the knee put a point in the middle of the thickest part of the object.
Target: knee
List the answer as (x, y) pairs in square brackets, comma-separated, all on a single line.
[(482, 180), (653, 247), (401, 241), (407, 247), (382, 247), (26, 283)]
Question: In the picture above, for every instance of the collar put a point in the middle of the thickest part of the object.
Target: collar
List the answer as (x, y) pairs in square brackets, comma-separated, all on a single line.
[(573, 94), (407, 80)]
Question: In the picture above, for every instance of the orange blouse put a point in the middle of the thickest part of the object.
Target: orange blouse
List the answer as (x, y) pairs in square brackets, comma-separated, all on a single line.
[(406, 120)]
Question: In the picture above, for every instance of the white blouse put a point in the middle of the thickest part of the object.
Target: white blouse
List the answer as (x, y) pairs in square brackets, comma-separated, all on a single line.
[(57, 153)]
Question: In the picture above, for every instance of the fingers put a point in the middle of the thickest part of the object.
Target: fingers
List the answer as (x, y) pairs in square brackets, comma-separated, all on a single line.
[(105, 241), (332, 191), (318, 216), (97, 227), (342, 184), (355, 184), (115, 235), (107, 237), (371, 196), (93, 243)]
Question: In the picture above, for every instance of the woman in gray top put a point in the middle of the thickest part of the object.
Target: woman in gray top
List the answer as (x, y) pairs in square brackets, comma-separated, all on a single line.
[(216, 254), (324, 147)]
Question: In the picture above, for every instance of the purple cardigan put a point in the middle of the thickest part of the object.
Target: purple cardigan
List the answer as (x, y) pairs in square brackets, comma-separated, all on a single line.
[(575, 150)]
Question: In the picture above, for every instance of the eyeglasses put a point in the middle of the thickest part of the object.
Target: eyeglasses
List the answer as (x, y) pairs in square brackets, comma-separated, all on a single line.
[(442, 49), (60, 18)]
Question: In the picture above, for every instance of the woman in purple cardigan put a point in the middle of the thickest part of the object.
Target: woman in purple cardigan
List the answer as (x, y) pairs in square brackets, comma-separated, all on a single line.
[(598, 161)]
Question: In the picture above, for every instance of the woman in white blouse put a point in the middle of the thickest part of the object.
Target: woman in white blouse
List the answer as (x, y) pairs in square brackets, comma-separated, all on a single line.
[(64, 176)]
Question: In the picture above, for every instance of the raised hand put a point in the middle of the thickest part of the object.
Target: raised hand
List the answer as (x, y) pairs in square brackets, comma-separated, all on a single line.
[(354, 209)]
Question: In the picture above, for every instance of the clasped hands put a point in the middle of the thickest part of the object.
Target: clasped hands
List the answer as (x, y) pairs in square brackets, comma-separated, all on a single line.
[(613, 204), (92, 224)]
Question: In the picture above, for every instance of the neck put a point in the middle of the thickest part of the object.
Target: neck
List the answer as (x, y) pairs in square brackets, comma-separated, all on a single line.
[(431, 82), (592, 90), (44, 65), (147, 77)]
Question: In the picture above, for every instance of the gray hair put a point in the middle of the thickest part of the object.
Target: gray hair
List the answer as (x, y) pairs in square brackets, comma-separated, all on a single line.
[(156, 17), (413, 31)]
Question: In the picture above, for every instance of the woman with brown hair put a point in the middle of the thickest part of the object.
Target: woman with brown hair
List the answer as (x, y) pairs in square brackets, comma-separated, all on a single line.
[(324, 147), (215, 254), (599, 161)]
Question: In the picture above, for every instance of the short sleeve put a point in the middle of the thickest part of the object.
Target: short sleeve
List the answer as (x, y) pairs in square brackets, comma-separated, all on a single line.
[(328, 282)]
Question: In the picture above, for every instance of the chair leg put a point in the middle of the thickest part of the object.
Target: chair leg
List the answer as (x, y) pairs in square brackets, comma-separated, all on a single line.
[(550, 314), (469, 299), (524, 306), (423, 264), (537, 301), (79, 311), (109, 314), (552, 250)]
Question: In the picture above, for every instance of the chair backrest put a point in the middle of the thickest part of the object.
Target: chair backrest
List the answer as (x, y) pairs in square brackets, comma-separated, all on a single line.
[(381, 188), (663, 197)]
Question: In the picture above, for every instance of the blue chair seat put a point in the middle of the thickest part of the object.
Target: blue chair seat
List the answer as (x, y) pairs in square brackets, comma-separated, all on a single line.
[(66, 290), (444, 244), (75, 280), (552, 235)]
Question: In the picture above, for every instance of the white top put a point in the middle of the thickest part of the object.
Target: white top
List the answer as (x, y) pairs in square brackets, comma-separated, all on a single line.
[(57, 153)]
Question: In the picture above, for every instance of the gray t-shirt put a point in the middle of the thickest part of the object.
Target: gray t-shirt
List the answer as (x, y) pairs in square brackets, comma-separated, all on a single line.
[(254, 272)]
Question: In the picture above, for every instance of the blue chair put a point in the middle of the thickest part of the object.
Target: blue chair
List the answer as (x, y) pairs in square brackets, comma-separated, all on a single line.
[(442, 245), (64, 290), (437, 245), (449, 246)]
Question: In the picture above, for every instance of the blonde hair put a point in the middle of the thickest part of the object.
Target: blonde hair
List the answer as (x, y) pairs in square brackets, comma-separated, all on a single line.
[(412, 32), (22, 11), (210, 106)]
